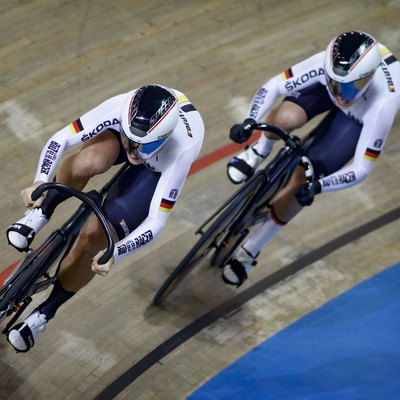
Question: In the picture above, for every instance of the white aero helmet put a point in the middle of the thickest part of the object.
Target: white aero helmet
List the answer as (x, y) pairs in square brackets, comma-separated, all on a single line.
[(350, 61), (148, 118)]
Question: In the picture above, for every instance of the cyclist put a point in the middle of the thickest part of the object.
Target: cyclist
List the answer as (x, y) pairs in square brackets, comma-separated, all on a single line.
[(160, 133), (357, 81)]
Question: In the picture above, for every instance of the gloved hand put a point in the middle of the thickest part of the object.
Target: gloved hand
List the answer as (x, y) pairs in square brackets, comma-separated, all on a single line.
[(239, 133), (305, 193)]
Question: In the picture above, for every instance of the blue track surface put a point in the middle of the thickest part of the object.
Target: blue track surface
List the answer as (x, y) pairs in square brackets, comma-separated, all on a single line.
[(347, 349)]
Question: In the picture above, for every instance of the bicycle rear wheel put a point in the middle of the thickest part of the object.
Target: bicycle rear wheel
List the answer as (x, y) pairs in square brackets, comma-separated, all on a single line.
[(211, 238)]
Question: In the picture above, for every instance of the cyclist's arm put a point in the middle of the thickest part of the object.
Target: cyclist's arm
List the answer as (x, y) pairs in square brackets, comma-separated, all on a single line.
[(167, 191), (377, 125), (299, 76), (91, 124)]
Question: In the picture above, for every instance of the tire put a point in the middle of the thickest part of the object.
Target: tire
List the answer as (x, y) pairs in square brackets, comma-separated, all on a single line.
[(210, 239)]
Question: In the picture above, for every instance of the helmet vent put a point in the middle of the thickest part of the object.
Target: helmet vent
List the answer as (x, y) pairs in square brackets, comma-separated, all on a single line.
[(346, 53)]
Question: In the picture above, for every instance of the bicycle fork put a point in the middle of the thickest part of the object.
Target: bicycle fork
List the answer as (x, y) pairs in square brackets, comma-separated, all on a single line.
[(18, 309)]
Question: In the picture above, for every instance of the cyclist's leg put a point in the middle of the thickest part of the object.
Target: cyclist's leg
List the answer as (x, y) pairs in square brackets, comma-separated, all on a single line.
[(296, 111), (75, 271), (335, 131)]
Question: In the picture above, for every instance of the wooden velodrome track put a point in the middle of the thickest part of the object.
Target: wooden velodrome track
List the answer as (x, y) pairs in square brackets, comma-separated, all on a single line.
[(60, 59)]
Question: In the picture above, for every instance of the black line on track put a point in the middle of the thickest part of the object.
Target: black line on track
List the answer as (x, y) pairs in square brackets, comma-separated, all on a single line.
[(152, 358)]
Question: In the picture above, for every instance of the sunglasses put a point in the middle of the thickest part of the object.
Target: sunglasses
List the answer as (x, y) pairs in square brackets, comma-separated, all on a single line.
[(139, 150), (347, 91)]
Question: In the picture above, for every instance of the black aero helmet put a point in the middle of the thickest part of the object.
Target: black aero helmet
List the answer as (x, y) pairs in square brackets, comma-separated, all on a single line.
[(350, 61), (148, 118)]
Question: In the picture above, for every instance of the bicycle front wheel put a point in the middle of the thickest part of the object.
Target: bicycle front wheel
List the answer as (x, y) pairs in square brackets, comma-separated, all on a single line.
[(241, 227), (196, 254), (210, 239)]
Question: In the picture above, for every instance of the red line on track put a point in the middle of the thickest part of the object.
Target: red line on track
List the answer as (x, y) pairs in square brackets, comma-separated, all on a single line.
[(219, 154), (6, 273)]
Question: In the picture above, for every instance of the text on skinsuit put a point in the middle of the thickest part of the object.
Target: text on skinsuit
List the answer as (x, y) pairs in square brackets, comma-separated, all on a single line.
[(292, 84), (257, 102), (388, 78), (49, 157), (186, 123), (349, 177), (135, 243), (99, 128)]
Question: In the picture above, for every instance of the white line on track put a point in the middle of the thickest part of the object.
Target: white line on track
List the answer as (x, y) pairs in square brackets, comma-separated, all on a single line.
[(238, 108), (20, 122)]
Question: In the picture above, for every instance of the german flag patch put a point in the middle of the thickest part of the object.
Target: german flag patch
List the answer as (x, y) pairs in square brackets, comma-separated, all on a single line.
[(371, 155), (390, 60), (166, 205), (76, 126), (287, 74)]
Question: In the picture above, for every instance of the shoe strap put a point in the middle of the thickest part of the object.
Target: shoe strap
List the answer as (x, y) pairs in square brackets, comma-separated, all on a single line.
[(241, 165), (23, 230), (26, 335), (239, 271)]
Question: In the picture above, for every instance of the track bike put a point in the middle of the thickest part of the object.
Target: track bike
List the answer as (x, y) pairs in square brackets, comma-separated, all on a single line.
[(39, 268), (228, 226)]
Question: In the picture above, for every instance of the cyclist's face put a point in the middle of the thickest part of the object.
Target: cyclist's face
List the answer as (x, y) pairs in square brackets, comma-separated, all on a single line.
[(138, 151), (132, 155), (343, 103), (131, 149), (134, 160)]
